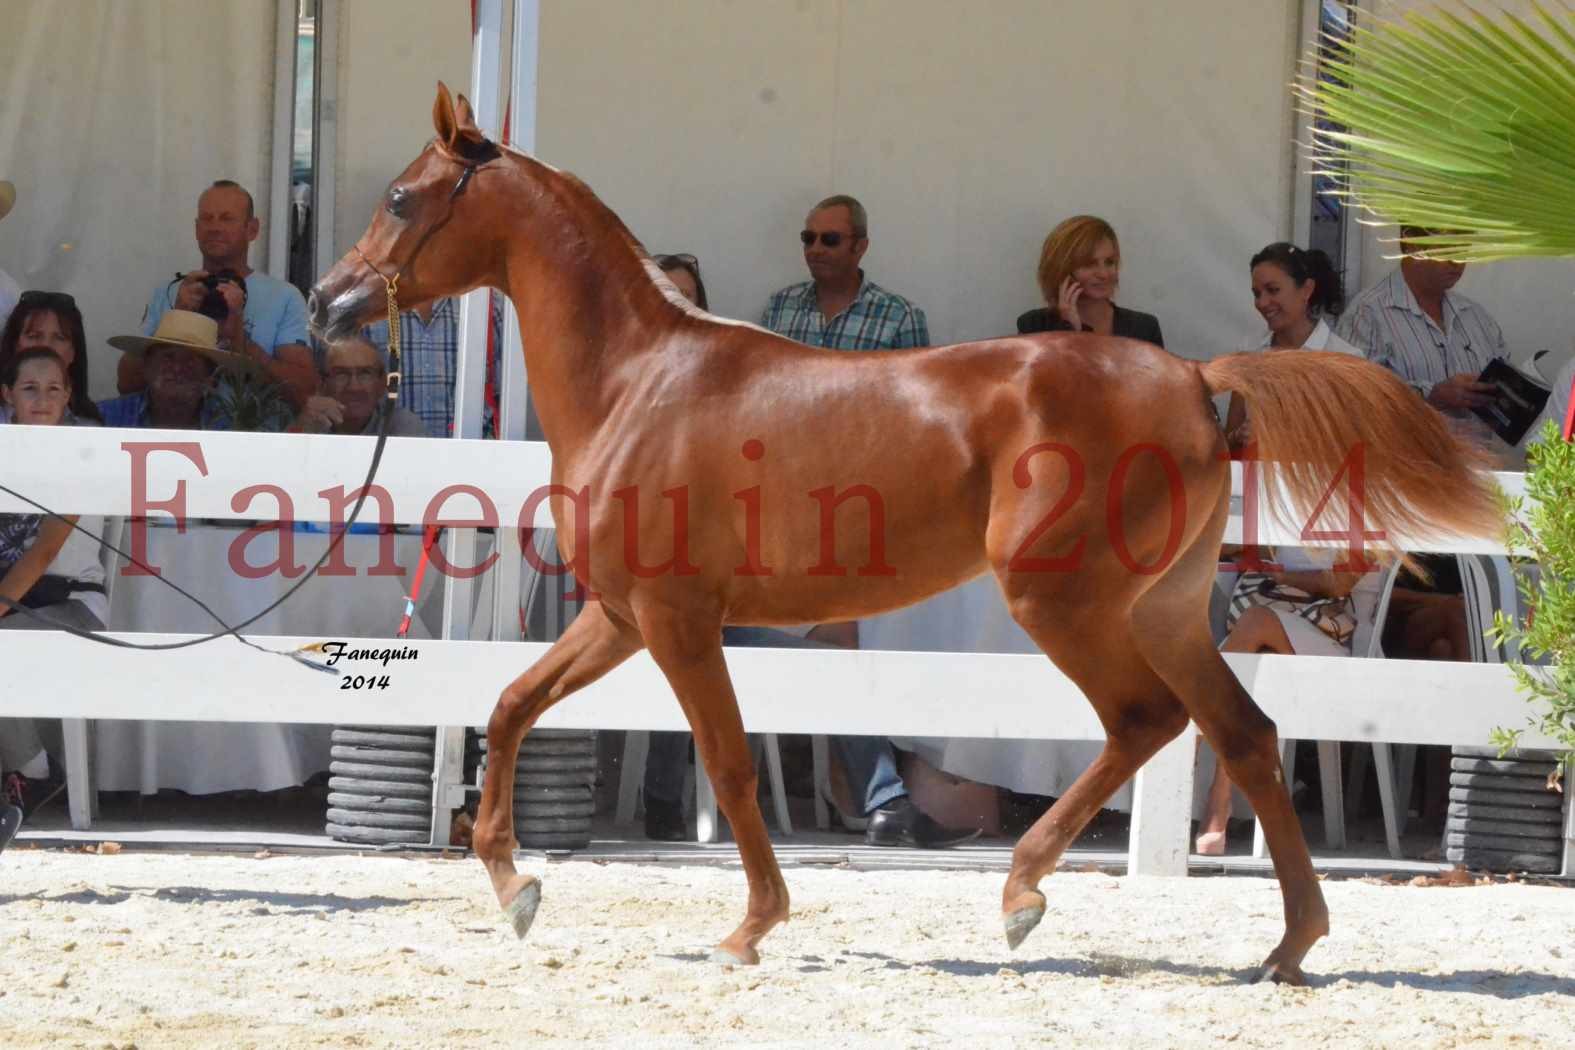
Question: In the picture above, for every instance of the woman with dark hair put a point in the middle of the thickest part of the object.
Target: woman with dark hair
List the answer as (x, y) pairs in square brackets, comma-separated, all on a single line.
[(1308, 609), (51, 321), (1296, 291), (1079, 274), (46, 568), (684, 272)]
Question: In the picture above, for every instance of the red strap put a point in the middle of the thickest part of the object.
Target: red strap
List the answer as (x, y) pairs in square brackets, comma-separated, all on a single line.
[(428, 537), (1569, 414)]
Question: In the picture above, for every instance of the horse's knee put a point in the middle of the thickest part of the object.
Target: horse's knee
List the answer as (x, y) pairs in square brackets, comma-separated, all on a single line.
[(735, 782), (1146, 728), (1252, 741)]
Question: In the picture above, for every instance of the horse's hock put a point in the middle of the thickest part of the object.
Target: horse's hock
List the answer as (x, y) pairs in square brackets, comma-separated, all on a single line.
[(554, 786)]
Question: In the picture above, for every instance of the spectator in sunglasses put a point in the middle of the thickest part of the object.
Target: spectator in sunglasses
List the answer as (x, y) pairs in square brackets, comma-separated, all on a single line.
[(684, 271), (354, 381), (838, 308), (1079, 275), (51, 321)]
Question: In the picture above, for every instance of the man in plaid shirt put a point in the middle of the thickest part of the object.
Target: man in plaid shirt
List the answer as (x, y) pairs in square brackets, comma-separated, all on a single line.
[(839, 309), (429, 359)]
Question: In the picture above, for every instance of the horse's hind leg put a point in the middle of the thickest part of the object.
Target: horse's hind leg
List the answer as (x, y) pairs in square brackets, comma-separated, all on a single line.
[(1139, 713), (593, 645), (1173, 633), (690, 655)]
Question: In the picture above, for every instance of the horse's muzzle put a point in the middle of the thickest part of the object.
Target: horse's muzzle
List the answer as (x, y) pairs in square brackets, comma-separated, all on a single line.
[(336, 316)]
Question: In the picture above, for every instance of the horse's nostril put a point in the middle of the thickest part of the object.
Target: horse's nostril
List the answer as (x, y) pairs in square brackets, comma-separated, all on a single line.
[(311, 304)]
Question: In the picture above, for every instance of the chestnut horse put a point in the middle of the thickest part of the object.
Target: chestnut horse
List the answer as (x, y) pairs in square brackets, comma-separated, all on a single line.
[(1088, 473)]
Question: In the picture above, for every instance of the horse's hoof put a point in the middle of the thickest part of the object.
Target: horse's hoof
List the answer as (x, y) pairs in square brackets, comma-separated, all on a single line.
[(521, 911), (1281, 973), (1020, 923), (728, 957)]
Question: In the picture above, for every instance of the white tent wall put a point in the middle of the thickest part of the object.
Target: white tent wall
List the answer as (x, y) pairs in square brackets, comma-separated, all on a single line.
[(391, 53), (115, 117), (968, 131), (711, 126)]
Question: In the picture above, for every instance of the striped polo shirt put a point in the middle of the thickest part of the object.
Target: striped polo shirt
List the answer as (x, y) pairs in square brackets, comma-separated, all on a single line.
[(1388, 325)]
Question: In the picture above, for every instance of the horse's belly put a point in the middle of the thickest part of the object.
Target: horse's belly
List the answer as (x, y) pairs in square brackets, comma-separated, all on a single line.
[(855, 586)]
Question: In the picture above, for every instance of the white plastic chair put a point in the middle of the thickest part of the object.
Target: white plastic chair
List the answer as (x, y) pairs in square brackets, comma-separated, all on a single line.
[(83, 798), (1329, 755), (631, 775)]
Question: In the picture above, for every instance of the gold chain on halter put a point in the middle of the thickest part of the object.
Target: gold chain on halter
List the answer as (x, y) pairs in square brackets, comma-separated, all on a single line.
[(393, 337)]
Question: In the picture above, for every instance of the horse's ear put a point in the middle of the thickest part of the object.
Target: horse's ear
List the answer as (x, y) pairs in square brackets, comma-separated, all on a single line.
[(465, 116), (443, 121)]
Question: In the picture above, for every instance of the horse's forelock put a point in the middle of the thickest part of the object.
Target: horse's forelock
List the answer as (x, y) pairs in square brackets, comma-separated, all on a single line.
[(469, 151)]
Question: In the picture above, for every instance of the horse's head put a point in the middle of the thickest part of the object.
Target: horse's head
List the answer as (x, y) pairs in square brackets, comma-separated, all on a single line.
[(425, 235)]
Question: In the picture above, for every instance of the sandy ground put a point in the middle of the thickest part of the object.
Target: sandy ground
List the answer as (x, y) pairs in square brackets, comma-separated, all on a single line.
[(166, 950)]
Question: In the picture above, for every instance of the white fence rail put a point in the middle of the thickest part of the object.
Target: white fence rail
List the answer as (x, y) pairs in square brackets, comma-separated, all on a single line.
[(81, 470)]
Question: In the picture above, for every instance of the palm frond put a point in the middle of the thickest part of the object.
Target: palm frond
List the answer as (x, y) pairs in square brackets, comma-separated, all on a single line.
[(1453, 120)]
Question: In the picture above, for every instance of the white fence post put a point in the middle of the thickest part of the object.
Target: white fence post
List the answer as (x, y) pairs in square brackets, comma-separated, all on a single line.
[(1162, 809)]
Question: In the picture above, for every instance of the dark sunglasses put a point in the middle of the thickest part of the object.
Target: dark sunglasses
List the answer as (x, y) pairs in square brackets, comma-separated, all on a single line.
[(830, 239), (680, 260), (49, 300)]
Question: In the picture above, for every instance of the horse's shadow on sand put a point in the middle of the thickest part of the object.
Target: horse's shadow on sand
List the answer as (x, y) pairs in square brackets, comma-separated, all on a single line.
[(1492, 983), (262, 900)]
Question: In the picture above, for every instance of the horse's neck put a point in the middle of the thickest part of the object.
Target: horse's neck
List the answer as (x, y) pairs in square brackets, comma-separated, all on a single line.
[(585, 302)]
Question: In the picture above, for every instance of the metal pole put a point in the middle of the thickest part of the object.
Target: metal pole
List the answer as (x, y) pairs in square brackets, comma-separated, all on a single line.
[(470, 374), (509, 583), (280, 216)]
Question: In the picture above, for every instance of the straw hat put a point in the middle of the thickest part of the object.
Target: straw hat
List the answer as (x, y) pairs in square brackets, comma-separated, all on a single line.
[(7, 198), (184, 328)]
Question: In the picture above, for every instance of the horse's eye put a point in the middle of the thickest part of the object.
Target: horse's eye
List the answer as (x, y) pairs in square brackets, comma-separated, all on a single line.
[(397, 199)]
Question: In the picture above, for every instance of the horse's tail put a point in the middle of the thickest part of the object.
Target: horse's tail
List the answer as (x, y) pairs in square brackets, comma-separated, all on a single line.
[(1309, 410)]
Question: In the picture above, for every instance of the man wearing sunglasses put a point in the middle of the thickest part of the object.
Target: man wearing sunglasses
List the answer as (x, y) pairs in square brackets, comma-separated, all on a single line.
[(838, 308)]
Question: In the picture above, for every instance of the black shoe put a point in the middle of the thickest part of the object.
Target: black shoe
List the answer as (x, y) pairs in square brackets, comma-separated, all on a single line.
[(29, 794), (664, 821), (901, 823), (10, 821)]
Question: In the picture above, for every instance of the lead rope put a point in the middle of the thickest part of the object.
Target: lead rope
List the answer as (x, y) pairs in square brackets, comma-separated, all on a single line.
[(299, 655)]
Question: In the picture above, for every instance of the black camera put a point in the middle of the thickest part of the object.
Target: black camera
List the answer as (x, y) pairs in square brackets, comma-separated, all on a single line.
[(213, 304)]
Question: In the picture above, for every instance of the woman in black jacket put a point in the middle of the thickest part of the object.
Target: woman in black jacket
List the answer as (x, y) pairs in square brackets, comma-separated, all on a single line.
[(1079, 273)]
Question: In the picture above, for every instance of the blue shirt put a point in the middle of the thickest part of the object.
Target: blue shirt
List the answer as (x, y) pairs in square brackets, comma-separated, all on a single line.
[(875, 320), (275, 311), (132, 411)]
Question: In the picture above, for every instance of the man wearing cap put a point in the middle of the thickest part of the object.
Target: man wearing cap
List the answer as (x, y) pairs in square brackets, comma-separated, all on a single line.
[(180, 360), (266, 320), (10, 291)]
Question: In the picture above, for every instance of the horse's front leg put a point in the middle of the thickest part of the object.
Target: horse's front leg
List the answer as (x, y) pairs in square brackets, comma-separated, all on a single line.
[(689, 652), (593, 645)]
